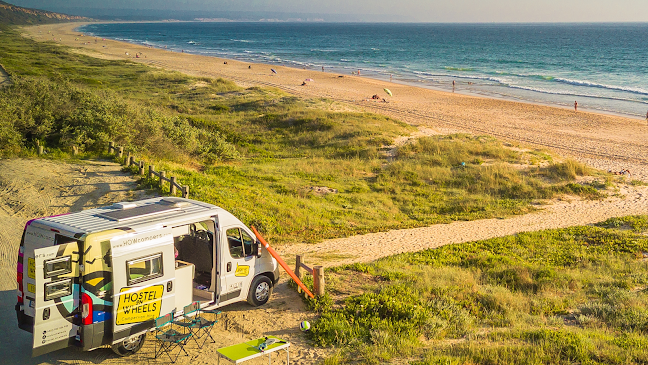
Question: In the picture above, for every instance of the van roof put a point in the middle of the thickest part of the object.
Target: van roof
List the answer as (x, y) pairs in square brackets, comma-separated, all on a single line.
[(133, 215)]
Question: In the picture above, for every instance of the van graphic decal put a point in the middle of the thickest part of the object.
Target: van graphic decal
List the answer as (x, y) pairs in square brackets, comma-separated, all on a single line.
[(140, 305), (242, 270), (31, 268)]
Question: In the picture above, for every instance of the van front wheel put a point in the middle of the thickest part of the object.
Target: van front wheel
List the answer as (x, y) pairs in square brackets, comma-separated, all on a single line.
[(260, 291), (129, 346)]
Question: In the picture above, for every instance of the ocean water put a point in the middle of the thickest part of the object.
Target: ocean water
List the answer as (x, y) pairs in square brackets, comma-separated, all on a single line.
[(602, 66)]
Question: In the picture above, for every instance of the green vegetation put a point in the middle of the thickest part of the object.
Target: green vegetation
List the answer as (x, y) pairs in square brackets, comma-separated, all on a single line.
[(575, 295), (296, 169)]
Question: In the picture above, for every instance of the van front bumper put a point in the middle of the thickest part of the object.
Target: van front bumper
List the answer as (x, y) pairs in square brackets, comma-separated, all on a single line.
[(275, 274)]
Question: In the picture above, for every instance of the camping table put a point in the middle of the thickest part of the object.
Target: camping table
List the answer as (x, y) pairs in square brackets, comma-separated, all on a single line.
[(249, 350)]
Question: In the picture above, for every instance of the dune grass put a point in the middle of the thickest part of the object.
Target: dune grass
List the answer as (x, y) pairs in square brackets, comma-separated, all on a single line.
[(297, 169), (565, 296)]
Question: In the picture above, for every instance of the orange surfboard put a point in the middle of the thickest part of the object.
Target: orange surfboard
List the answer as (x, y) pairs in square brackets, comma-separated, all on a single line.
[(282, 263)]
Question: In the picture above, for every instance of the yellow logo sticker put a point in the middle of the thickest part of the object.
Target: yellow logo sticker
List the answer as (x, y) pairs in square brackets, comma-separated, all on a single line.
[(139, 306), (242, 270), (31, 268), (31, 288)]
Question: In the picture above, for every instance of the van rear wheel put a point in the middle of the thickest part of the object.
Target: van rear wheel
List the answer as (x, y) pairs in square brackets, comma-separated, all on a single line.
[(260, 291), (129, 346)]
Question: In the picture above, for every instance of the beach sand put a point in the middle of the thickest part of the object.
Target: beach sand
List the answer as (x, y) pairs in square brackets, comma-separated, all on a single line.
[(602, 141)]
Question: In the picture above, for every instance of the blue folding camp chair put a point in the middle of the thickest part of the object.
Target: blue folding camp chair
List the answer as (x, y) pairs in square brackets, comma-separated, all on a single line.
[(198, 325), (169, 338)]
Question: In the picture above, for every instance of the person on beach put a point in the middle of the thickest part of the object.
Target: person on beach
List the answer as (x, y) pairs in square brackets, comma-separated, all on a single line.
[(575, 106)]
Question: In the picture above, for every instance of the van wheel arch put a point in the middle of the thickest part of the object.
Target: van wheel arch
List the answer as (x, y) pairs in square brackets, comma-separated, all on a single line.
[(260, 290), (129, 346)]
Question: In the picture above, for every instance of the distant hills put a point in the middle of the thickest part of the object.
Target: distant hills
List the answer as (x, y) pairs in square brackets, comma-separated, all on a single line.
[(16, 15)]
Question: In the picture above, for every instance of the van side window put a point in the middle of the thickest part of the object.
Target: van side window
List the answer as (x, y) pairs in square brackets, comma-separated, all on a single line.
[(144, 268), (235, 243), (58, 266), (248, 243)]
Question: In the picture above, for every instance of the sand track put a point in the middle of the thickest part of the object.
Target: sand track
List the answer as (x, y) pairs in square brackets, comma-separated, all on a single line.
[(5, 80)]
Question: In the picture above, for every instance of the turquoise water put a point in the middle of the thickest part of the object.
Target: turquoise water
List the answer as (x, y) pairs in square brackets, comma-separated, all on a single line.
[(602, 66)]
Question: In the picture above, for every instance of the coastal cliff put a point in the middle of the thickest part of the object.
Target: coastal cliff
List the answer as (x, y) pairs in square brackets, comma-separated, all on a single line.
[(16, 15)]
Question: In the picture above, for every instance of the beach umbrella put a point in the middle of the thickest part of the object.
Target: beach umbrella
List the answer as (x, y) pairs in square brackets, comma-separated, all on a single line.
[(273, 70), (388, 92)]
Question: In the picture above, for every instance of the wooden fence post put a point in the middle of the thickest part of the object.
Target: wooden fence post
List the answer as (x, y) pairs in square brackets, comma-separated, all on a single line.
[(151, 171), (162, 177), (120, 152), (131, 160), (318, 280), (127, 159), (41, 150), (298, 264), (141, 168), (111, 147), (172, 188), (185, 191)]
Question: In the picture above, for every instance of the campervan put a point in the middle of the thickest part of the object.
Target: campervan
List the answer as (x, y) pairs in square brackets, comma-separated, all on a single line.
[(101, 276)]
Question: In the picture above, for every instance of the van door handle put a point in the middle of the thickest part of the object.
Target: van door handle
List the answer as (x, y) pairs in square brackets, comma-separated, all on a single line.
[(229, 266)]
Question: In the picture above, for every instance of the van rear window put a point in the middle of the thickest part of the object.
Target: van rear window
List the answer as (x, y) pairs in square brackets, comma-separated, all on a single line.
[(58, 289), (58, 266), (145, 268)]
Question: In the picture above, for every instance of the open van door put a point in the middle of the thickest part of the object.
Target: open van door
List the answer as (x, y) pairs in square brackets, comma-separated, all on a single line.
[(143, 281), (55, 270)]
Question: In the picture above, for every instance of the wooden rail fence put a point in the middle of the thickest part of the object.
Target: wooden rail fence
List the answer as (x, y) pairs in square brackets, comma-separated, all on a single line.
[(41, 149), (316, 271), (129, 160)]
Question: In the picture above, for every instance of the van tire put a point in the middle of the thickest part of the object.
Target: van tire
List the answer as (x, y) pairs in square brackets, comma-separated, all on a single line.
[(129, 346), (260, 291)]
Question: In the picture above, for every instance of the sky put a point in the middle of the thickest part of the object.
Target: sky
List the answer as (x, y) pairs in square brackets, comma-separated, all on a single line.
[(446, 11)]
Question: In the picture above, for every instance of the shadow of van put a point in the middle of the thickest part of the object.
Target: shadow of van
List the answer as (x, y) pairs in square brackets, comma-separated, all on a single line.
[(16, 344)]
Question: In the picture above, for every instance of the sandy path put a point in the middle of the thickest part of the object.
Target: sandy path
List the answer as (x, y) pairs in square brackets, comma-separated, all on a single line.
[(4, 77), (603, 141), (36, 188), (560, 214)]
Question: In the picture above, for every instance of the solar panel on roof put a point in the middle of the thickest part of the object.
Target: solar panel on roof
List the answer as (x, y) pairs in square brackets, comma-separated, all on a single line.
[(138, 212)]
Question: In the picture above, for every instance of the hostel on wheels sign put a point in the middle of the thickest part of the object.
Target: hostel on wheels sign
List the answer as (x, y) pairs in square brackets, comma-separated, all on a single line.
[(139, 306)]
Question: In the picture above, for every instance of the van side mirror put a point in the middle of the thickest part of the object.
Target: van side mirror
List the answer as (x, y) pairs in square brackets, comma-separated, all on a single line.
[(259, 249)]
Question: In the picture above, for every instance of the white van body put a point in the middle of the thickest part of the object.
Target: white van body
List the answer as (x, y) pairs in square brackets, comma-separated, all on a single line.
[(101, 276)]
